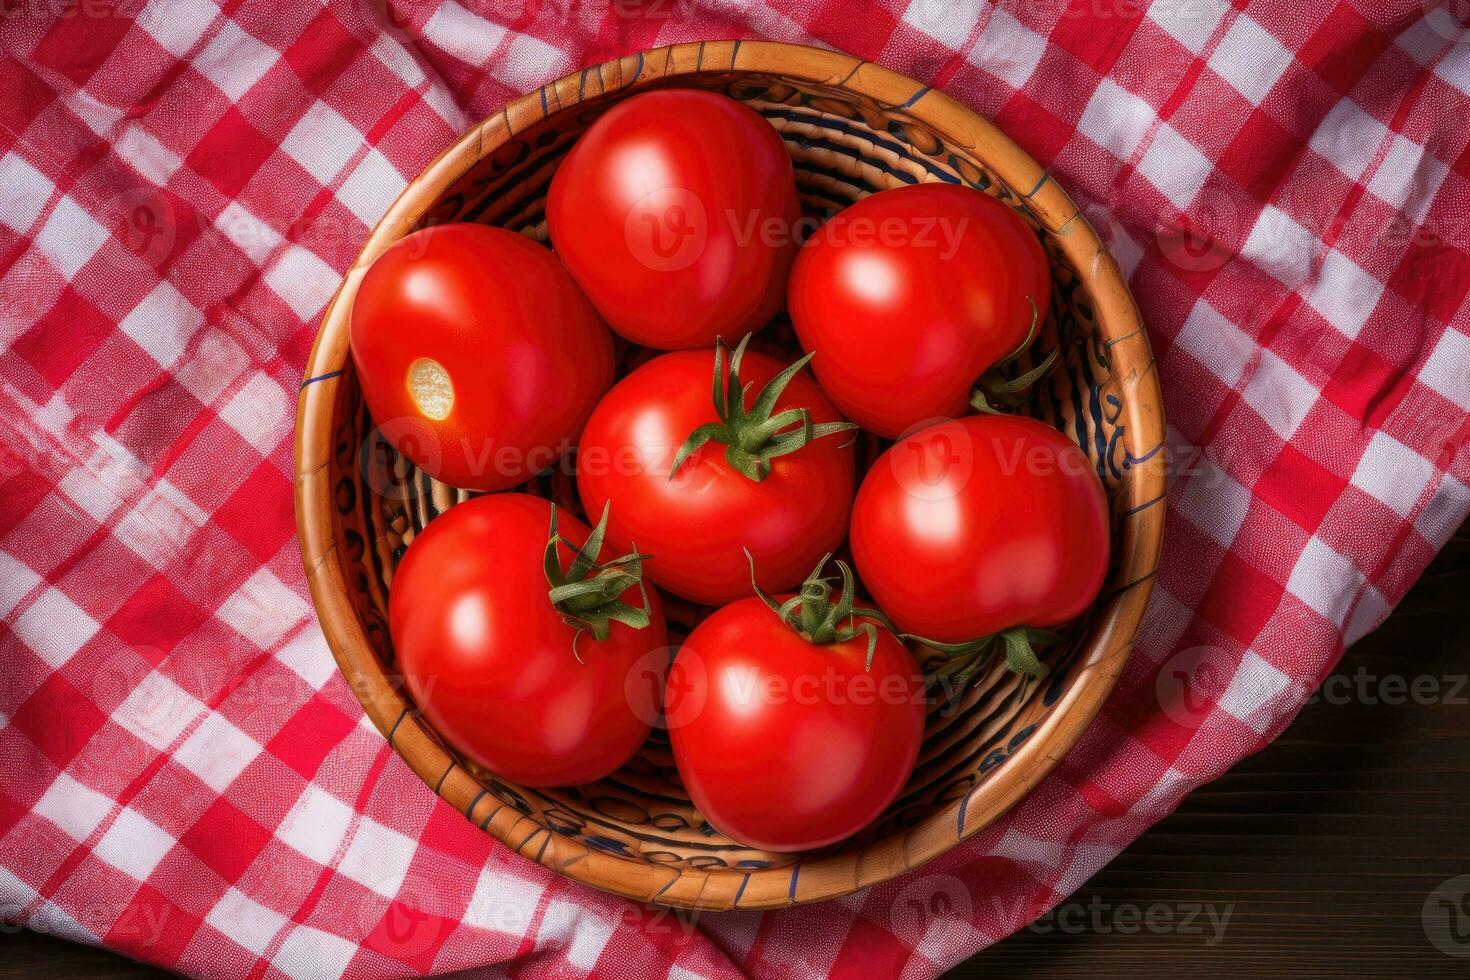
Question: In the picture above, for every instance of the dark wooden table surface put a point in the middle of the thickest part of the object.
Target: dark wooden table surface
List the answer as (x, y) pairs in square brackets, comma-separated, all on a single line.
[(1318, 855)]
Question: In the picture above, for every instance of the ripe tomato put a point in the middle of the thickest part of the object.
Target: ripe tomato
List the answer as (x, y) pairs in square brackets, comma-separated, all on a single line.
[(536, 692), (909, 296), (751, 477), (478, 355), (793, 727), (677, 212), (978, 526)]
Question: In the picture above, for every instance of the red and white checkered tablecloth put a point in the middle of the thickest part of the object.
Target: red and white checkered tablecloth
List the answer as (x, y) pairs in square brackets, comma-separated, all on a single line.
[(186, 777)]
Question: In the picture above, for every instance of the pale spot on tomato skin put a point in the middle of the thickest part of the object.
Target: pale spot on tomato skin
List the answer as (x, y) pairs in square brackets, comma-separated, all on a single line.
[(430, 388)]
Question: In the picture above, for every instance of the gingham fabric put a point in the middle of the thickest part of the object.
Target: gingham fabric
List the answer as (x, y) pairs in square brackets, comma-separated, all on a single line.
[(186, 777)]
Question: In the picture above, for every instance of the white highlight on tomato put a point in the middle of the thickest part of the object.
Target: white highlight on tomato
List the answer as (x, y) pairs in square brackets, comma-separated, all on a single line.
[(870, 277)]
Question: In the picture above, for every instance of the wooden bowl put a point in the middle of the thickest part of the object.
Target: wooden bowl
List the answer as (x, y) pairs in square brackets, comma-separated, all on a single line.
[(851, 128)]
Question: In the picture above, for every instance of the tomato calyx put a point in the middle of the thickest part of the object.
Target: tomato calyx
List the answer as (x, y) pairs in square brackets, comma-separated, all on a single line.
[(588, 595), (813, 616), (755, 436), (965, 660), (995, 392)]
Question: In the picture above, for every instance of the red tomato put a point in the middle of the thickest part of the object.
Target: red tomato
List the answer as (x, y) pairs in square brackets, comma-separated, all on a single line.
[(785, 736), (494, 665), (677, 212), (697, 524), (978, 525), (909, 296), (478, 355)]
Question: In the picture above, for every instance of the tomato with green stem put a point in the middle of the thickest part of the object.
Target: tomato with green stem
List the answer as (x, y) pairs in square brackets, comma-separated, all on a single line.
[(517, 643), (980, 535), (795, 723), (695, 480), (916, 301)]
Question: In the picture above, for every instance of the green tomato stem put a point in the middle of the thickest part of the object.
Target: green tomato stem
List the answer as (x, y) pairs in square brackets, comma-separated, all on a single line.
[(995, 392), (965, 660), (813, 616), (753, 437), (588, 595)]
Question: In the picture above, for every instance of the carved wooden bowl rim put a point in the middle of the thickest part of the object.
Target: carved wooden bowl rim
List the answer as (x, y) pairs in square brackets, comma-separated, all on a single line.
[(1099, 660)]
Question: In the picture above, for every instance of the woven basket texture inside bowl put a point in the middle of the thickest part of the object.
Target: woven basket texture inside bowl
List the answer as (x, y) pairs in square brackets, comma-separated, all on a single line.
[(852, 128)]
